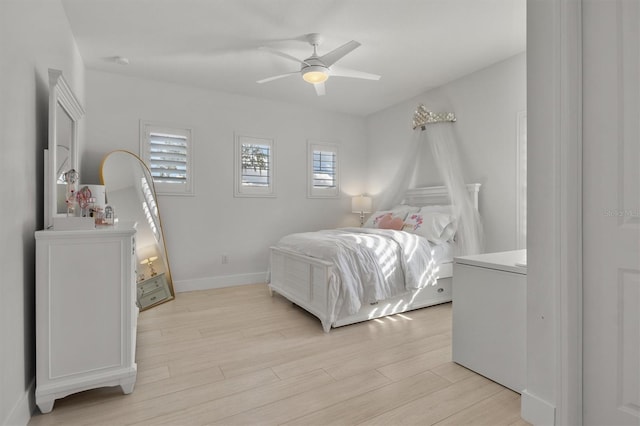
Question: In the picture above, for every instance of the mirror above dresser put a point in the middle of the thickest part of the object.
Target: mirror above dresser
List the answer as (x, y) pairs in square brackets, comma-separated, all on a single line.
[(61, 156)]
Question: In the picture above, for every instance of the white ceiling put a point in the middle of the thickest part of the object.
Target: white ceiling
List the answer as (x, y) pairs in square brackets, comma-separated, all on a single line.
[(413, 44)]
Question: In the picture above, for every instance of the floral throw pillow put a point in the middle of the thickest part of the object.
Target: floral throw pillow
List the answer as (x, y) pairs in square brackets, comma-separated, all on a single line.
[(374, 220), (434, 226)]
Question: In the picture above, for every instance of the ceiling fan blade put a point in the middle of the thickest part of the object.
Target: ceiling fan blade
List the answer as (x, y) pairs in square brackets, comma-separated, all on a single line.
[(346, 72), (276, 77), (319, 88), (332, 57), (283, 55)]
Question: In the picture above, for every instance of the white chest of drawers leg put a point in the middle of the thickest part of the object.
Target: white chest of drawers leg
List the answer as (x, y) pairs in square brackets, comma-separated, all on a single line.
[(489, 316), (85, 312)]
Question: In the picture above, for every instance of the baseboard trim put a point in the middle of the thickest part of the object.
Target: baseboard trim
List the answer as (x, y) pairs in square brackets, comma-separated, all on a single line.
[(209, 283), (537, 411), (24, 408)]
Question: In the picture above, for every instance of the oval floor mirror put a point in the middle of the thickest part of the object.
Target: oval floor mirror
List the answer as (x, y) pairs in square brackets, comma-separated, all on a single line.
[(130, 192)]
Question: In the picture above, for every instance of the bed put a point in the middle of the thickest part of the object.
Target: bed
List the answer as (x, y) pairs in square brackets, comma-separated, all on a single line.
[(391, 271)]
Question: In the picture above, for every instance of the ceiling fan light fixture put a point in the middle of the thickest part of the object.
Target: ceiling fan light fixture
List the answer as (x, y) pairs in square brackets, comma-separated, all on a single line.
[(315, 74)]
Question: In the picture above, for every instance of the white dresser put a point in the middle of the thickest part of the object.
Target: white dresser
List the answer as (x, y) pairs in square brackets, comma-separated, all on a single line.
[(86, 313), (489, 316)]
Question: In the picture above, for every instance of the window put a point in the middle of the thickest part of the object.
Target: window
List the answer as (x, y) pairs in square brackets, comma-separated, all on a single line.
[(323, 179), (254, 167), (167, 151)]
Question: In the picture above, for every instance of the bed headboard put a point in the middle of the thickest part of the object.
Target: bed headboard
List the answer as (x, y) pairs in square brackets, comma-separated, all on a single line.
[(430, 195)]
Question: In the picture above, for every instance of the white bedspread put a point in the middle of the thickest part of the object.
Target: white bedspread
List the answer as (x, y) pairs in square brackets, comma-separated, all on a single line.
[(371, 264)]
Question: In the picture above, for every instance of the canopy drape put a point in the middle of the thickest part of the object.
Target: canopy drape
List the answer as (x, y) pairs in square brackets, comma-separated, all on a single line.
[(442, 145)]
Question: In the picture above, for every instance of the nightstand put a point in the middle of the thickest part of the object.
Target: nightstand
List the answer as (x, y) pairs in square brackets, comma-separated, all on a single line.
[(153, 291)]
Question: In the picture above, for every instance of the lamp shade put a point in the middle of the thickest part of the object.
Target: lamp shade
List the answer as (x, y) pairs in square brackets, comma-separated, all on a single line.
[(361, 204), (149, 260)]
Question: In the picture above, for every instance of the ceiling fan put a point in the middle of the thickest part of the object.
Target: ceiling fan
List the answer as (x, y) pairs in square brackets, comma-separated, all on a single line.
[(317, 69)]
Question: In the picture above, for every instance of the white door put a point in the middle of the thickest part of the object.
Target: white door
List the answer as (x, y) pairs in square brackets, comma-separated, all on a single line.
[(611, 210)]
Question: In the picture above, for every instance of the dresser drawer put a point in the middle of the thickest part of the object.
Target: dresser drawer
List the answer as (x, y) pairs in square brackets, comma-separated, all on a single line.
[(148, 299), (152, 284)]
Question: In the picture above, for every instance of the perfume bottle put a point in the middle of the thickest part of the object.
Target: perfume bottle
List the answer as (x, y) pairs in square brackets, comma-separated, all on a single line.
[(109, 215)]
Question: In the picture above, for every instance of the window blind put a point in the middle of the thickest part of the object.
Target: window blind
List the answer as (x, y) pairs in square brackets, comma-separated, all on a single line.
[(168, 158), (324, 169)]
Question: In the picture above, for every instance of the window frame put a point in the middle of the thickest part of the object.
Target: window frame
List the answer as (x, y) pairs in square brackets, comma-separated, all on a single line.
[(241, 190), (163, 188), (318, 192)]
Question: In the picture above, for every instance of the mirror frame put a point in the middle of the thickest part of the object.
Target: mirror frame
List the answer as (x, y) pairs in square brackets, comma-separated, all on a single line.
[(164, 241), (59, 94)]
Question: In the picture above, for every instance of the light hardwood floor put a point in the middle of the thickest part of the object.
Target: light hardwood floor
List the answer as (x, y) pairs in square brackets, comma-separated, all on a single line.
[(236, 356)]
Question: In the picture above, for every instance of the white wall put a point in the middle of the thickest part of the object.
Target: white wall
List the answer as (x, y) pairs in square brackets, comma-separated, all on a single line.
[(200, 229), (486, 104), (34, 36), (553, 31)]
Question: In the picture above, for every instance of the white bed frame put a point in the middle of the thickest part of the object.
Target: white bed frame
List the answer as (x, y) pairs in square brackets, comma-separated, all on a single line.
[(304, 280)]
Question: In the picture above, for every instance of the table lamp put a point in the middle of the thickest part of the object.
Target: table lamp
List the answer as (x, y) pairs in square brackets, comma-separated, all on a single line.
[(361, 204)]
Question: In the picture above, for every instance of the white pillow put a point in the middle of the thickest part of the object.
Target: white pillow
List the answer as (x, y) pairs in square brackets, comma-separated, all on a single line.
[(436, 227), (438, 208), (406, 208)]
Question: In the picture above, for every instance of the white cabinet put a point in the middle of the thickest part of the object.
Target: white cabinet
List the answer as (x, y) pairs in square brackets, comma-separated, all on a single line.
[(86, 316), (489, 316)]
